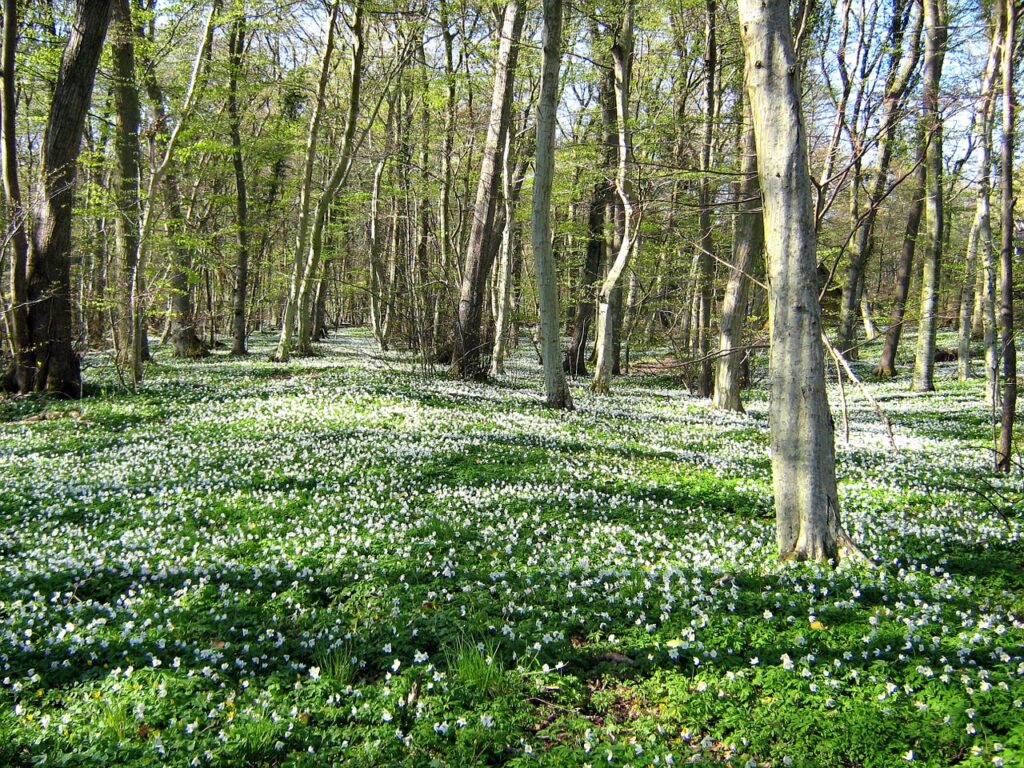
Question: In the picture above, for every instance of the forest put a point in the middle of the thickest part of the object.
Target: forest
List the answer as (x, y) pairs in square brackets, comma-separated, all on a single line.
[(441, 383)]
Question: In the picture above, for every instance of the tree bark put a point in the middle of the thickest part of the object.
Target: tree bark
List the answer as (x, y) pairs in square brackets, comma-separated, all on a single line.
[(468, 342), (128, 153), (748, 240), (894, 332), (50, 364), (1008, 410), (236, 49), (706, 263), (898, 79), (20, 376), (556, 391), (935, 19), (803, 458), (610, 297)]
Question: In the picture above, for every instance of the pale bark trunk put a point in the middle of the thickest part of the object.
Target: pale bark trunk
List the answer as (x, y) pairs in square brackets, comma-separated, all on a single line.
[(748, 240), (610, 297), (468, 341), (803, 458), (343, 166), (306, 193), (556, 391), (935, 46), (706, 264), (1008, 410)]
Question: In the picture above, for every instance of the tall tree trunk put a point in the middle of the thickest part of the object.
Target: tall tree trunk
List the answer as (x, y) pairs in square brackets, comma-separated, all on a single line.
[(894, 332), (20, 376), (50, 364), (979, 242), (576, 356), (126, 178), (236, 49), (556, 391), (1008, 411), (748, 240), (343, 166), (898, 79), (706, 263), (469, 344), (284, 345), (610, 297), (935, 19), (803, 454)]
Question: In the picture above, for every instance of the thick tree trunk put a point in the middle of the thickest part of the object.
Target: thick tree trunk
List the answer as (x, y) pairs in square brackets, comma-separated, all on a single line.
[(803, 458), (468, 342), (236, 49), (894, 332), (556, 391), (1008, 410), (935, 18), (50, 364), (748, 240)]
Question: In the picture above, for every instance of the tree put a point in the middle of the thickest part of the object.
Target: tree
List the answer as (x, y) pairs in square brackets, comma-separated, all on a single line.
[(935, 24), (803, 455), (1008, 411), (45, 360), (747, 242), (610, 296), (236, 49), (468, 341), (556, 390)]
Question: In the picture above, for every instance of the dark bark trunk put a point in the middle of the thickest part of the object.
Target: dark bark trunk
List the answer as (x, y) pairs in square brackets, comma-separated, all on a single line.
[(236, 48), (51, 364)]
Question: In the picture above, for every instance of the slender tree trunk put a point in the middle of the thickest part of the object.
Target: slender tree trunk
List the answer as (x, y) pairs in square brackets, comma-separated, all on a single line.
[(503, 277), (803, 457), (556, 391), (469, 343), (343, 166), (1008, 411), (610, 297), (128, 153), (305, 207), (236, 49), (935, 18), (748, 240), (894, 332), (576, 356), (20, 377), (897, 87), (706, 264)]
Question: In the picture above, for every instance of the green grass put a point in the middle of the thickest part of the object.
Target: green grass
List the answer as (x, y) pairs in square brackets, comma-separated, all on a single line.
[(344, 561)]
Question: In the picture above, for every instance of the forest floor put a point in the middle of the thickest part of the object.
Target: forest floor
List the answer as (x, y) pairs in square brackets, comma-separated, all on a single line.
[(344, 561)]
